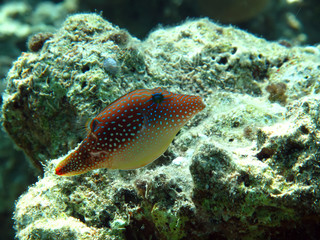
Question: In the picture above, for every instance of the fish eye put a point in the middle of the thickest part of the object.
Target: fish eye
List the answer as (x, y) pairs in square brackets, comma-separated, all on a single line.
[(93, 125), (157, 97)]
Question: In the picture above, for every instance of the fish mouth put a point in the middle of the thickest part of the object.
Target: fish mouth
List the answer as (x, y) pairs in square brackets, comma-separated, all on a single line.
[(59, 171)]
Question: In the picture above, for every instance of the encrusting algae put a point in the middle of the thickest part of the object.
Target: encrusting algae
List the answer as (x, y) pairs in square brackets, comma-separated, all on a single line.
[(132, 132)]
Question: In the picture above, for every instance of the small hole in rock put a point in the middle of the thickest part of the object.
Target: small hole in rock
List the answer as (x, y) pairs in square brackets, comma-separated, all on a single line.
[(223, 60), (85, 68), (83, 84), (304, 129), (265, 153)]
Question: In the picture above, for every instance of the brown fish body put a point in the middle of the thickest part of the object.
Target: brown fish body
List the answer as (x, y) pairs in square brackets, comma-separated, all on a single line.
[(132, 132)]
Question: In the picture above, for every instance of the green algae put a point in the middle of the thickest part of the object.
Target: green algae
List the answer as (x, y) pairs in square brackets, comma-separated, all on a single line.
[(168, 225)]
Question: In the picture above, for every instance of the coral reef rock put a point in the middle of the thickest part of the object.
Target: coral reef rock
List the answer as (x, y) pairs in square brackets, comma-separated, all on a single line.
[(247, 167), (20, 19)]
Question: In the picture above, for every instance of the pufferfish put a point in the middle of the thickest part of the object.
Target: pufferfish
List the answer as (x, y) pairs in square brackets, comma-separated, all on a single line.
[(132, 131)]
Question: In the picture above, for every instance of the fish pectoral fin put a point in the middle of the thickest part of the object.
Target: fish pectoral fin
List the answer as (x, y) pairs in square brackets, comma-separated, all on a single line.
[(100, 154), (145, 122)]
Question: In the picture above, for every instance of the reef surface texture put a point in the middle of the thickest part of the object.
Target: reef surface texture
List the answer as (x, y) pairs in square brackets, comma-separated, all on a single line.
[(247, 167)]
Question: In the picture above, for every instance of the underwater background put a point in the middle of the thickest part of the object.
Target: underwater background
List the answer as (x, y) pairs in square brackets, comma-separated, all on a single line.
[(247, 167)]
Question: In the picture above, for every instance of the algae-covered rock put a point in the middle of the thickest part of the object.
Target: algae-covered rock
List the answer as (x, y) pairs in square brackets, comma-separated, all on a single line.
[(244, 168), (20, 19), (67, 81)]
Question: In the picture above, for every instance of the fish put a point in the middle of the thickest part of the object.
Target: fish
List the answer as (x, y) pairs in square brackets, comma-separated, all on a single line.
[(132, 131)]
